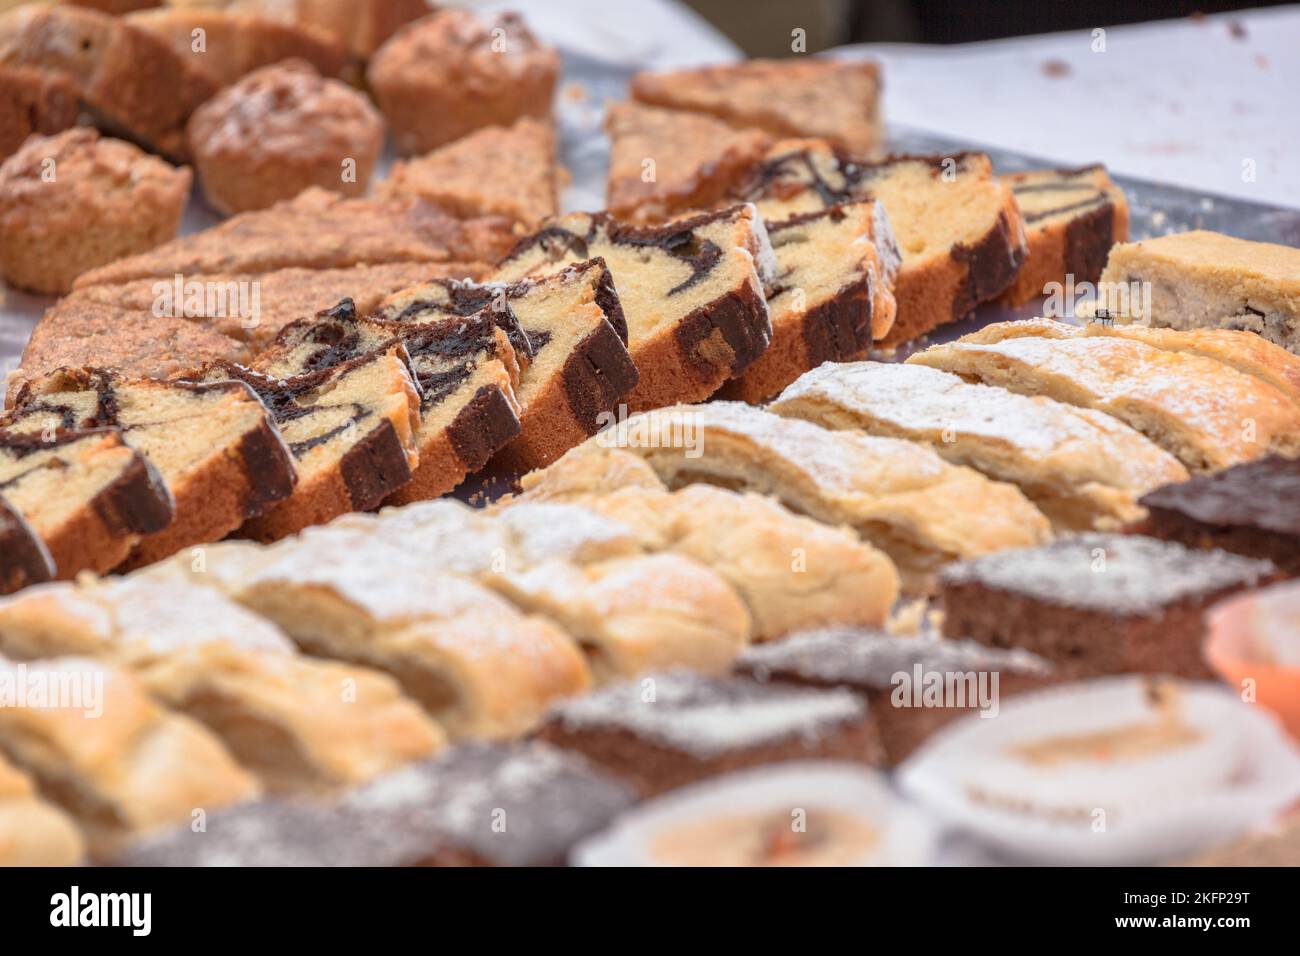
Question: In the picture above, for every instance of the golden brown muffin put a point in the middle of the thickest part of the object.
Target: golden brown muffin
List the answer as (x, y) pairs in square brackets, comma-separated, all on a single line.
[(33, 101), (280, 130), (72, 202), (451, 73)]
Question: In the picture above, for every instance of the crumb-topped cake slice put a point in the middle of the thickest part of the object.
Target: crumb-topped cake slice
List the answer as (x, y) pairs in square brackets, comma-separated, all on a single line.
[(692, 292), (958, 228), (1072, 218), (24, 559), (833, 296), (1206, 280), (87, 495), (214, 444), (1082, 467), (580, 368)]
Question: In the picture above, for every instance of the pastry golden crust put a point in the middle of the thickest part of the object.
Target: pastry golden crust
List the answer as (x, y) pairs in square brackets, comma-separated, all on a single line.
[(1205, 413), (33, 101), (32, 831), (1082, 468), (73, 202), (900, 496), (663, 163), (836, 100), (280, 130)]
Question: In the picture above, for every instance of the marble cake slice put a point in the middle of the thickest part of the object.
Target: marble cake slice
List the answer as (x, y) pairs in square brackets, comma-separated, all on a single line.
[(580, 368), (692, 292), (24, 559), (214, 444)]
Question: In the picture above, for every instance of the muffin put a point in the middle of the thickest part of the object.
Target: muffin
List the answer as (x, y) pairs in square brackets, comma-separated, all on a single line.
[(72, 202), (280, 130), (451, 73)]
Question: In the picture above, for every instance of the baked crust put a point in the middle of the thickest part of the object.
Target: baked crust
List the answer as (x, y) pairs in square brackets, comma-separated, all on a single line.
[(361, 25), (24, 559), (33, 101), (32, 831)]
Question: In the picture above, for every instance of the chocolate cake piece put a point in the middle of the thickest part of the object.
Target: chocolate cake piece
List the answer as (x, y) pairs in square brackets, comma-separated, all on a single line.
[(959, 229), (1072, 218), (914, 685), (33, 101), (1097, 603), (476, 805), (1251, 509), (579, 369), (692, 292), (834, 295), (214, 444), (673, 728), (87, 495), (24, 559)]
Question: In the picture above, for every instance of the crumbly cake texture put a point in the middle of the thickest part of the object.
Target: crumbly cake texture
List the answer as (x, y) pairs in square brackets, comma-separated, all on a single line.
[(72, 202), (34, 832), (1097, 603), (663, 163), (33, 101), (900, 496), (495, 171), (673, 728), (1206, 413), (1072, 218), (361, 25), (692, 292), (130, 80), (1082, 468), (86, 494), (215, 446), (129, 769), (958, 228), (24, 559), (836, 100), (833, 295), (453, 72), (282, 716), (280, 130), (1203, 280), (436, 813), (237, 43), (579, 369), (877, 665), (317, 229), (1248, 509)]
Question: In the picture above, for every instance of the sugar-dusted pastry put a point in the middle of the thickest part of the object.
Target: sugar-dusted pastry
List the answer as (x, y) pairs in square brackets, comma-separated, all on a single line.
[(24, 558), (453, 72), (1097, 603), (663, 163), (280, 130), (1081, 467), (33, 832), (670, 729), (1202, 411), (505, 171), (838, 100), (692, 292), (72, 202), (1205, 280), (1072, 218), (958, 228), (87, 495), (215, 445), (33, 101), (833, 297)]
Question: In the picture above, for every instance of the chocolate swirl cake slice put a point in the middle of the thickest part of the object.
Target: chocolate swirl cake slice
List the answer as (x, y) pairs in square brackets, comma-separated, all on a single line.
[(24, 559), (835, 275), (959, 229), (692, 292), (86, 494), (1072, 218), (466, 368), (580, 367), (214, 444)]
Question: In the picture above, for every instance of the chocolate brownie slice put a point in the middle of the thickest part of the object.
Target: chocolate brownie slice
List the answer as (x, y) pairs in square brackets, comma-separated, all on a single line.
[(24, 559), (670, 729), (87, 494), (1097, 603), (33, 101), (692, 292), (1251, 509), (914, 685)]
